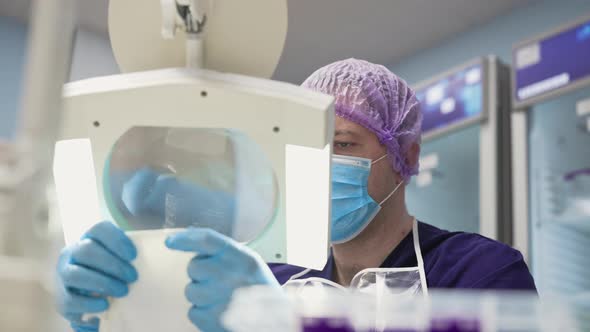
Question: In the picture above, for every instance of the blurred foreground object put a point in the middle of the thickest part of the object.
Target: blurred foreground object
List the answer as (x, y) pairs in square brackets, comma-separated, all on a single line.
[(25, 229)]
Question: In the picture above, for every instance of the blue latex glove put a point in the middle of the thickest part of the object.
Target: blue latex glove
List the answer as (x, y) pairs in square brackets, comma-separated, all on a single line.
[(156, 200), (89, 271), (221, 266)]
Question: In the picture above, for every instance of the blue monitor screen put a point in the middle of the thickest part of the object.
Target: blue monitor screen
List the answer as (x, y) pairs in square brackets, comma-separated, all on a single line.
[(452, 99), (552, 63)]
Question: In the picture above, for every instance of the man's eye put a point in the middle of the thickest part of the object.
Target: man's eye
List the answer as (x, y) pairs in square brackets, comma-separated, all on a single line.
[(343, 145)]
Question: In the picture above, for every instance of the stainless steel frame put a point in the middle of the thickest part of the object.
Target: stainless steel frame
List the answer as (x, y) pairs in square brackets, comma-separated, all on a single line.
[(495, 156), (559, 91), (520, 182)]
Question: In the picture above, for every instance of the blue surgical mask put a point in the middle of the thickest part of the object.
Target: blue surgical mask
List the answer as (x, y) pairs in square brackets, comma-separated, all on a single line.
[(352, 207)]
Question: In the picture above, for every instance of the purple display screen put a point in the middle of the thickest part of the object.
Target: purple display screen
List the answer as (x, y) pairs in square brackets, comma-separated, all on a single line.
[(552, 63), (452, 99)]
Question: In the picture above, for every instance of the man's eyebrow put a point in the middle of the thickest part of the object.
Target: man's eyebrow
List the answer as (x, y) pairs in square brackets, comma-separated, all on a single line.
[(344, 132)]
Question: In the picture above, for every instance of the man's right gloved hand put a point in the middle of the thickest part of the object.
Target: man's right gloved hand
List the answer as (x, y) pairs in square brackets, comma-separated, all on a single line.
[(96, 267)]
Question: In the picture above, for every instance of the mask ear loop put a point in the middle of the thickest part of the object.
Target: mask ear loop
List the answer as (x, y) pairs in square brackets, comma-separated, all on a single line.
[(396, 187), (391, 194), (379, 159)]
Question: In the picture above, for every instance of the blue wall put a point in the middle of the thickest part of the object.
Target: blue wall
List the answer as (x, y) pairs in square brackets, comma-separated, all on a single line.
[(13, 39), (496, 37)]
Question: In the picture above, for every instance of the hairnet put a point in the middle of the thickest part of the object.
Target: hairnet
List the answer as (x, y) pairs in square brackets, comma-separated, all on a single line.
[(375, 98)]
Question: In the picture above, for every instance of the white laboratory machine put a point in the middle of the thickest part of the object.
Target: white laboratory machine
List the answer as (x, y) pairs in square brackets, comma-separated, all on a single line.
[(464, 180), (551, 160), (252, 155)]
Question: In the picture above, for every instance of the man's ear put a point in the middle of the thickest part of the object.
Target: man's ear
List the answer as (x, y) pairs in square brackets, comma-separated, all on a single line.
[(413, 154)]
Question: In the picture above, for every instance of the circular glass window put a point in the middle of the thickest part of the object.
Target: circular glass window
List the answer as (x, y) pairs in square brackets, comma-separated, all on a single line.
[(157, 177)]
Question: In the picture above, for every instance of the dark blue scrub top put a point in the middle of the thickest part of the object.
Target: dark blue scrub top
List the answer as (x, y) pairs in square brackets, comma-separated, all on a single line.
[(451, 260)]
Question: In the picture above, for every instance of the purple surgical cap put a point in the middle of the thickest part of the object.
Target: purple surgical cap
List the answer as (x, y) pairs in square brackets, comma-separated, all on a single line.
[(375, 98)]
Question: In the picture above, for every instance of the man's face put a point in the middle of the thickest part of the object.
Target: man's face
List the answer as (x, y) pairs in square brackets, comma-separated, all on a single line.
[(351, 139)]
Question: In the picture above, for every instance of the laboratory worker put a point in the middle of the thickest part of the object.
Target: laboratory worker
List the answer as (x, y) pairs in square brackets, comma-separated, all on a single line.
[(374, 238)]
